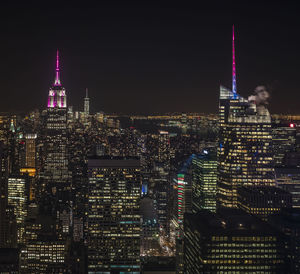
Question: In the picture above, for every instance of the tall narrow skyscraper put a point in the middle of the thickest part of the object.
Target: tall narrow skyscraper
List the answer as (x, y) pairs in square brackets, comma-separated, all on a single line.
[(3, 193), (86, 104), (245, 142), (56, 161), (17, 197), (164, 149), (205, 180), (30, 150)]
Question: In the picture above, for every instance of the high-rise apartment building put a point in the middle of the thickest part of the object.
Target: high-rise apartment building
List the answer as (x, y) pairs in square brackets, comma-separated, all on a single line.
[(114, 221)]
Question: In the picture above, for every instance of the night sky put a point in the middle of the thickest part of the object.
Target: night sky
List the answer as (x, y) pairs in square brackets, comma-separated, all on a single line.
[(146, 58)]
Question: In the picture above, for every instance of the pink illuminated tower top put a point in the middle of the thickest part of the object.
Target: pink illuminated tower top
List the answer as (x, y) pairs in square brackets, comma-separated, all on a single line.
[(57, 97), (233, 65), (57, 72)]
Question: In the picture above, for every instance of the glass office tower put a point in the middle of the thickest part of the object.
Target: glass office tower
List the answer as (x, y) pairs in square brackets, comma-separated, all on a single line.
[(114, 221), (245, 147)]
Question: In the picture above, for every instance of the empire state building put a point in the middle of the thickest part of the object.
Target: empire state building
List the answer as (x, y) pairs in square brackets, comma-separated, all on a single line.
[(56, 161)]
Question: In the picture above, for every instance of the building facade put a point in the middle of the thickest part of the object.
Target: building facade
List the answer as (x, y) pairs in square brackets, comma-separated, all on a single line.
[(205, 180), (263, 201), (231, 241), (164, 149), (288, 179), (114, 221), (245, 147), (18, 198), (284, 140)]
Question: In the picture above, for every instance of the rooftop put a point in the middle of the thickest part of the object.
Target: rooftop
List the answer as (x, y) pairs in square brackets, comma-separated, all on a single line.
[(228, 221)]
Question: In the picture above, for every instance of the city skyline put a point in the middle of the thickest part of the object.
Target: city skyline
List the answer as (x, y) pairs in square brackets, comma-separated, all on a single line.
[(148, 57), (113, 156)]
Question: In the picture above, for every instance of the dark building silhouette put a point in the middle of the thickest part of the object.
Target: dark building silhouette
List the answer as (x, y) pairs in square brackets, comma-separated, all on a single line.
[(9, 260), (263, 201), (288, 222), (288, 179), (231, 241)]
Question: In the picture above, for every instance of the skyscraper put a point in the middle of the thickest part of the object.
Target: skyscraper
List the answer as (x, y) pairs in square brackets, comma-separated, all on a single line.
[(245, 142), (86, 104), (29, 164), (30, 151), (183, 205), (164, 149), (114, 221), (205, 180), (3, 193), (284, 140), (56, 161), (184, 191), (18, 197), (160, 195)]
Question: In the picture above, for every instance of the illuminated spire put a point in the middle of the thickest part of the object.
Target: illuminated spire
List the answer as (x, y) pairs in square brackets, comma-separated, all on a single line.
[(57, 94), (57, 72), (233, 65), (86, 93)]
